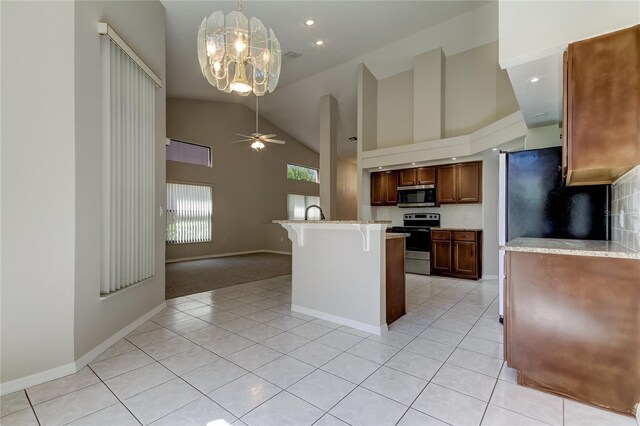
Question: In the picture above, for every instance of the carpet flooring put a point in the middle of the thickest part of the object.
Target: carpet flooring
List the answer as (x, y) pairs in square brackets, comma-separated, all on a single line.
[(196, 276)]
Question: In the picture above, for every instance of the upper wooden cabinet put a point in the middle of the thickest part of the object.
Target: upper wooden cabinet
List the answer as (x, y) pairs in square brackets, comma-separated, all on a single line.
[(384, 188), (417, 176), (459, 183), (601, 107)]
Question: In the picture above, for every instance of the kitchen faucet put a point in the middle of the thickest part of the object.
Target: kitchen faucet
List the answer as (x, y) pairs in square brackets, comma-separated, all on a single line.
[(306, 212)]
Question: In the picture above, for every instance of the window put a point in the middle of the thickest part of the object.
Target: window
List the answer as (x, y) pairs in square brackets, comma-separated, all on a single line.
[(189, 209), (185, 152), (297, 204), (306, 174)]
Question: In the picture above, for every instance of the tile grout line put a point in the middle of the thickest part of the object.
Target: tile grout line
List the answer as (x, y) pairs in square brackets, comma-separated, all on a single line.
[(457, 346), (384, 364), (115, 396), (33, 410)]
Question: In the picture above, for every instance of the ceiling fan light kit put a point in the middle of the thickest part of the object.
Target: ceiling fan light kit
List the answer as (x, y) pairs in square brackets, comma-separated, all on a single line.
[(257, 139), (237, 54)]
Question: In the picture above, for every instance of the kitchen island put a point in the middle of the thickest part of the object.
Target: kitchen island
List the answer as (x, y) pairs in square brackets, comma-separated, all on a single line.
[(572, 319), (339, 271)]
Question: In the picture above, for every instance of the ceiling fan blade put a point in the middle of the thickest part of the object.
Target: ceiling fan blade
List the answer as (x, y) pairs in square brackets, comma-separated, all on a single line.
[(264, 137), (244, 136), (243, 140), (274, 141)]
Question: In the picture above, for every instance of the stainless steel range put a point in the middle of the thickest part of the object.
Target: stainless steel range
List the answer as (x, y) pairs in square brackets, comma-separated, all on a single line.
[(418, 225)]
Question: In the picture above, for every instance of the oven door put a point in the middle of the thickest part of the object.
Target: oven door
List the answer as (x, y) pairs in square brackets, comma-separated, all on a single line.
[(417, 196), (419, 238)]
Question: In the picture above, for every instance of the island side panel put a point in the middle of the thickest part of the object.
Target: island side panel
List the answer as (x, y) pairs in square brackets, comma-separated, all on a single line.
[(334, 278), (395, 279), (573, 326)]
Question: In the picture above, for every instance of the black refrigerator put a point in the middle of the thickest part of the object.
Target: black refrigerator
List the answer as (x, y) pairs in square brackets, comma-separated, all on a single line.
[(540, 205), (534, 202)]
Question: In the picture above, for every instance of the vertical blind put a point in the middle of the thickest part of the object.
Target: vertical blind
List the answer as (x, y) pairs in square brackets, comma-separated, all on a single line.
[(189, 209), (297, 204), (128, 170)]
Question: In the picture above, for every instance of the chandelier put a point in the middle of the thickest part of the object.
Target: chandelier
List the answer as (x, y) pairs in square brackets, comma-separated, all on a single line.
[(238, 55)]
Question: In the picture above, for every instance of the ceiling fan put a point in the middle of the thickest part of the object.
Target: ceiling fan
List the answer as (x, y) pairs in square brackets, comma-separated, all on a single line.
[(257, 139)]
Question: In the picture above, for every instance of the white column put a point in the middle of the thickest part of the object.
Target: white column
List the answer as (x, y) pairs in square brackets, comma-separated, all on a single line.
[(328, 155), (367, 133), (428, 96)]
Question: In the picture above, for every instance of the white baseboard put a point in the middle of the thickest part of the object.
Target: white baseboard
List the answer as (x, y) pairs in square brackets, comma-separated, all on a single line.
[(74, 367), (213, 256), (373, 329), (37, 378), (93, 353)]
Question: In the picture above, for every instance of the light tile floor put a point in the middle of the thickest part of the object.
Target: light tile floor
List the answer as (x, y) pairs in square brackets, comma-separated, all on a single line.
[(238, 355)]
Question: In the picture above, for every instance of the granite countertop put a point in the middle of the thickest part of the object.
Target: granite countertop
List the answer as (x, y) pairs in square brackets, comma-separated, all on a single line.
[(337, 222), (391, 235), (457, 229), (571, 247)]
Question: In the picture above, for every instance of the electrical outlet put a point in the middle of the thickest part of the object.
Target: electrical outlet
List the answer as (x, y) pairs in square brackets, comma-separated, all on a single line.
[(281, 239)]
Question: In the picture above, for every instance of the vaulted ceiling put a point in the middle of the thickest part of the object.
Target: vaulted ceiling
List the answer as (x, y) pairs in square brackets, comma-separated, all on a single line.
[(351, 30)]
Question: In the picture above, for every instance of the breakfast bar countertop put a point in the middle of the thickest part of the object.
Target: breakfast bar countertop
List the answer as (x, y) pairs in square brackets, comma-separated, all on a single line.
[(391, 235), (592, 248)]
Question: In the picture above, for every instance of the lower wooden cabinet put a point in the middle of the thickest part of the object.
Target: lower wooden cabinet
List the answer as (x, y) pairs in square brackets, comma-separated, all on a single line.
[(440, 257), (395, 274), (571, 326), (456, 253)]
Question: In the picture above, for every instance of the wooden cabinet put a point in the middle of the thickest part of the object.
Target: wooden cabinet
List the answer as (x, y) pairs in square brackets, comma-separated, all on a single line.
[(440, 257), (395, 275), (456, 253), (459, 183), (446, 187), (571, 326), (601, 107), (417, 176), (384, 188)]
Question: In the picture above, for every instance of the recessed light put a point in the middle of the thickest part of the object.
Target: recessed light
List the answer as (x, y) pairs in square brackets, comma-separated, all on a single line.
[(380, 168), (413, 164), (534, 79), (494, 149), (453, 158), (540, 114), (319, 42), (309, 22)]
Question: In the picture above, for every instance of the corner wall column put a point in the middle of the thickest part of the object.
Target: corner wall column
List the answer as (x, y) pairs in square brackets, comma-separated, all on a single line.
[(428, 95), (328, 155)]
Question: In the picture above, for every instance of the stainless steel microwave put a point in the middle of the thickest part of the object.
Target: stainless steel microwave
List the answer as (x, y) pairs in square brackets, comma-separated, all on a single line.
[(417, 196)]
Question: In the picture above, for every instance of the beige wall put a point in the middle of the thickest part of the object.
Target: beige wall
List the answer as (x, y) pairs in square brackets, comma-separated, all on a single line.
[(477, 91), (142, 25), (543, 137), (52, 313), (395, 110), (249, 188), (37, 188)]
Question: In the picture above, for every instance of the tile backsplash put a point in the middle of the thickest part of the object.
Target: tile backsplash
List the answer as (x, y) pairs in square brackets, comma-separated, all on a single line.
[(625, 210), (451, 215)]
